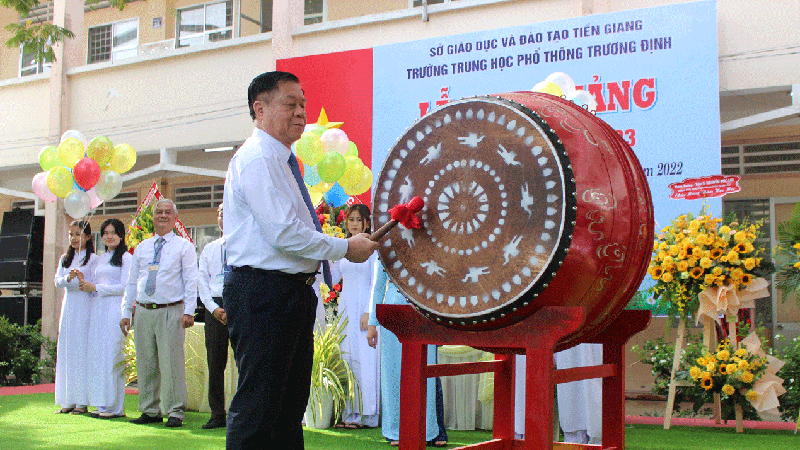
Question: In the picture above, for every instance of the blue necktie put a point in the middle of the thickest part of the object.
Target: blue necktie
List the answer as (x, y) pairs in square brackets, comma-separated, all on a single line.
[(150, 286), (298, 177)]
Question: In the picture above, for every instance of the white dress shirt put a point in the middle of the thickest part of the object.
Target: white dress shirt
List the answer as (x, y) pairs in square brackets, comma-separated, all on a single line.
[(267, 224), (176, 279), (209, 281)]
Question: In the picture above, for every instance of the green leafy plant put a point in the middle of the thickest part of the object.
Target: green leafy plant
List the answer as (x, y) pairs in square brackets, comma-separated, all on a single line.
[(659, 354), (37, 37), (789, 353), (787, 255), (22, 360), (331, 375), (128, 362)]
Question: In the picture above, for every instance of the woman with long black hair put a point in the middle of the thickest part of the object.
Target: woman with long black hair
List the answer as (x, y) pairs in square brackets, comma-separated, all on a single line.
[(106, 380), (354, 304), (72, 360)]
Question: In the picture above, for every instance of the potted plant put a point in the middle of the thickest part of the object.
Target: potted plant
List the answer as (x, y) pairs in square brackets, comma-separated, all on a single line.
[(332, 381)]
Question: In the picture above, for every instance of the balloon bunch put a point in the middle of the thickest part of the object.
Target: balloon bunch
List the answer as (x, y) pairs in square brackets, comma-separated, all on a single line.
[(83, 174), (331, 167), (561, 85)]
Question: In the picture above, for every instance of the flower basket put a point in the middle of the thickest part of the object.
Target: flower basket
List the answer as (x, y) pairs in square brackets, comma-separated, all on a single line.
[(330, 300), (706, 266), (141, 228), (743, 376)]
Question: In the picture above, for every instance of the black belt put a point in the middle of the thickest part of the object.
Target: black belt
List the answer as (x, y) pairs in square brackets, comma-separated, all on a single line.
[(305, 278), (158, 305)]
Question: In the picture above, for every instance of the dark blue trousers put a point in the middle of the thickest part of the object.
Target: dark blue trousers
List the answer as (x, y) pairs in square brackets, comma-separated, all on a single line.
[(270, 323)]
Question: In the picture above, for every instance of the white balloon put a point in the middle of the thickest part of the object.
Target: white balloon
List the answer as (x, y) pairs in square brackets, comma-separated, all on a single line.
[(109, 185), (77, 203), (563, 81), (584, 100), (77, 135), (335, 140)]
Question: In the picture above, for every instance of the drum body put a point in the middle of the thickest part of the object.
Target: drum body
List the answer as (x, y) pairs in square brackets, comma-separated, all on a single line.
[(530, 201)]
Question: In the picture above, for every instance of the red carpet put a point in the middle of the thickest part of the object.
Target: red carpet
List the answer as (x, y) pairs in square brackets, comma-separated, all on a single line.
[(686, 422), (43, 389)]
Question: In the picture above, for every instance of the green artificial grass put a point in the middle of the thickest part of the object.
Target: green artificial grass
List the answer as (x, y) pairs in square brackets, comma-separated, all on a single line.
[(27, 422)]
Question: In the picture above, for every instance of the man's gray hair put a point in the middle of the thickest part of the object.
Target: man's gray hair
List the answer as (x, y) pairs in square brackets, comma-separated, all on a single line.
[(166, 200)]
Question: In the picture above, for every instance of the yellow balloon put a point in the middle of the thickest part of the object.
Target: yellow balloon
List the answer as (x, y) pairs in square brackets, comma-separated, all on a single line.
[(70, 151), (316, 196), (100, 149), (123, 159), (548, 87), (323, 187), (309, 148), (354, 170), (60, 181), (363, 185)]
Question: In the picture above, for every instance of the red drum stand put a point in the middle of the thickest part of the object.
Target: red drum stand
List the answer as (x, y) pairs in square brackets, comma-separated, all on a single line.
[(536, 336)]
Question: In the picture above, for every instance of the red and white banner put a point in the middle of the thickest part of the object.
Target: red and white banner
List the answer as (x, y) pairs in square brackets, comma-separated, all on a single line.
[(155, 193), (704, 187)]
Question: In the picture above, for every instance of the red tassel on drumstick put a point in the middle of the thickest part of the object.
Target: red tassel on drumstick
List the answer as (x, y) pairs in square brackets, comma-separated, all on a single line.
[(403, 213)]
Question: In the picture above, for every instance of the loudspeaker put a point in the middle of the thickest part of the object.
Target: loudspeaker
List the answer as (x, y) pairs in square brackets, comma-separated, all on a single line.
[(21, 221), (22, 246), (22, 270), (13, 308)]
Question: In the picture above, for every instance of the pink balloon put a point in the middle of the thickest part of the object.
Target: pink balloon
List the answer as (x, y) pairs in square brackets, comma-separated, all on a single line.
[(94, 200), (39, 185), (86, 173)]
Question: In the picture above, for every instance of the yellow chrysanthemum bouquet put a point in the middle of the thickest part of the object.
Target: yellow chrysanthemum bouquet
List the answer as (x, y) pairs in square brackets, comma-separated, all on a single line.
[(729, 371), (710, 256)]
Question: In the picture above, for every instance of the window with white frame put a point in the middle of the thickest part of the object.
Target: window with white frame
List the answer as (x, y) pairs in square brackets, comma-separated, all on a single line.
[(28, 65), (314, 12), (113, 41), (207, 22), (197, 197)]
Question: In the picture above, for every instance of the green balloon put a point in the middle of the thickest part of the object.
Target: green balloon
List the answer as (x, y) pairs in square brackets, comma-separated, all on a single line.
[(48, 158), (331, 166), (309, 148), (352, 150)]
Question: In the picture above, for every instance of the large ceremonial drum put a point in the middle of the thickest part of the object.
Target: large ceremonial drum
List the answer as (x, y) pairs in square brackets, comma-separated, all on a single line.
[(530, 201)]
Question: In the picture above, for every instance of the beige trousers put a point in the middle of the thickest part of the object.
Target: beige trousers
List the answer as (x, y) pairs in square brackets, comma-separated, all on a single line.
[(160, 363)]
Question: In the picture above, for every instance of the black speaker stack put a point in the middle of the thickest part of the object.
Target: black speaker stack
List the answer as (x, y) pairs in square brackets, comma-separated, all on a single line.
[(21, 255)]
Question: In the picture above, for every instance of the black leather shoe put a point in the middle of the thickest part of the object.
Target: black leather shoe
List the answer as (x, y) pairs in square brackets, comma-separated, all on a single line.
[(214, 423), (144, 419), (174, 422)]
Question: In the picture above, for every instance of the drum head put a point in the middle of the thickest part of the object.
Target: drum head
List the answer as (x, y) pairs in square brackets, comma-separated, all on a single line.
[(499, 210)]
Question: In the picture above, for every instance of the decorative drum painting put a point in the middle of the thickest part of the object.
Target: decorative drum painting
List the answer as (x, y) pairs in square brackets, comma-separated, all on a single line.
[(530, 201)]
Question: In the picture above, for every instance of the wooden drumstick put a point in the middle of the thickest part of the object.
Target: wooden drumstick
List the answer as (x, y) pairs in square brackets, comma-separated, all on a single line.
[(403, 213)]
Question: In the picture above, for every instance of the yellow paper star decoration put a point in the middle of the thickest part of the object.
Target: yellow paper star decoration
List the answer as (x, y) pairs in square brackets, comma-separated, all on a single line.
[(323, 120)]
